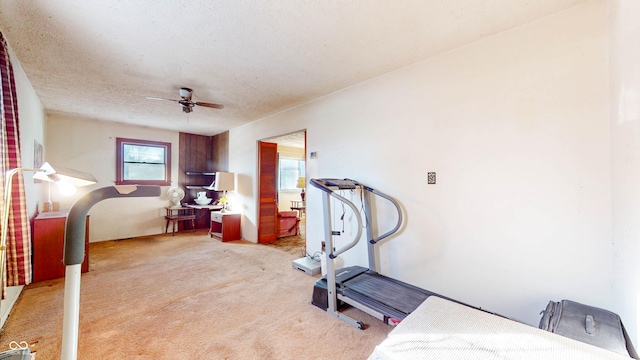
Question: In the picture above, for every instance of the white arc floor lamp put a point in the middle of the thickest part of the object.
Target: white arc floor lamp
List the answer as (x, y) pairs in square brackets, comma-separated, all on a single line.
[(74, 256), (75, 228), (65, 178)]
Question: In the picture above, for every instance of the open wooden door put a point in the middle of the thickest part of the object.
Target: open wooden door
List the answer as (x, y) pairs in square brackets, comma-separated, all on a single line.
[(267, 187)]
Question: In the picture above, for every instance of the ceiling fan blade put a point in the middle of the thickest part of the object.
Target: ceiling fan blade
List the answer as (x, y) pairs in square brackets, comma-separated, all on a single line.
[(215, 106), (157, 98)]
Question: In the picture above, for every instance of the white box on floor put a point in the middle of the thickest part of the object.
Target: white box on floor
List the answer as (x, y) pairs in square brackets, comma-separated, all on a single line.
[(306, 265)]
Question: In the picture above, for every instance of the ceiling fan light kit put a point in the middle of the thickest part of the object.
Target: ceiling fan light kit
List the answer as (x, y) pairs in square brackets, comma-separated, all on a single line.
[(185, 101), (185, 92)]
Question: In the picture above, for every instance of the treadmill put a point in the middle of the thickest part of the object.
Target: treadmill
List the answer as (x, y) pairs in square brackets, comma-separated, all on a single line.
[(385, 298)]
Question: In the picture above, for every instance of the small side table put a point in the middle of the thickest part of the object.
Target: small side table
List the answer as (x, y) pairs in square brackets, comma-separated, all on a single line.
[(225, 226), (298, 205), (176, 214)]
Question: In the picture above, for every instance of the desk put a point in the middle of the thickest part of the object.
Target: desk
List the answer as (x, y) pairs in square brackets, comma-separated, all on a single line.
[(203, 220), (298, 205), (176, 214), (207, 207)]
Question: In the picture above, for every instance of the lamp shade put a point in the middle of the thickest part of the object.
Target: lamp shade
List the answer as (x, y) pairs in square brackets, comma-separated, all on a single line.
[(301, 181), (64, 175), (224, 181)]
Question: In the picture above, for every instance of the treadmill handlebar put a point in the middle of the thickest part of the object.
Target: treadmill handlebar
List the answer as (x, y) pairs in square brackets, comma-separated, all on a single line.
[(330, 185), (356, 238), (398, 224)]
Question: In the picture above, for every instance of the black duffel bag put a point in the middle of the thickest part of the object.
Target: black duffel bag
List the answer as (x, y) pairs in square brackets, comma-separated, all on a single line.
[(587, 324)]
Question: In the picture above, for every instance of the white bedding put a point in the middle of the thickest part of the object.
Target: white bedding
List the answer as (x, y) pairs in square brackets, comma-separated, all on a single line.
[(442, 329)]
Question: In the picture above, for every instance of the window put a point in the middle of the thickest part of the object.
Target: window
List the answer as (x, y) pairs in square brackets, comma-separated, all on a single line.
[(143, 162), (289, 172)]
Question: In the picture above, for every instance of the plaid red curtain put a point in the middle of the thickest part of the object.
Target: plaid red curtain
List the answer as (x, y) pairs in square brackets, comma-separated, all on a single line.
[(18, 256)]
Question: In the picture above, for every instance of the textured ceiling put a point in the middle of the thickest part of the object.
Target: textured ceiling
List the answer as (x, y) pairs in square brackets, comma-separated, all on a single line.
[(294, 140), (99, 59)]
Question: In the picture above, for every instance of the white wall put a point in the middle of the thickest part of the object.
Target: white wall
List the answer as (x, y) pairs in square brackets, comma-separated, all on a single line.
[(89, 145), (516, 127), (32, 118), (625, 133)]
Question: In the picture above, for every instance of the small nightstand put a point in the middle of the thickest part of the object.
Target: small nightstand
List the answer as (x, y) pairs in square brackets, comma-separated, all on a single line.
[(48, 245), (225, 226)]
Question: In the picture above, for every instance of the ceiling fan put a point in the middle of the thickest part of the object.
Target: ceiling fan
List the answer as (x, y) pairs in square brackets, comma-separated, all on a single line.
[(185, 101)]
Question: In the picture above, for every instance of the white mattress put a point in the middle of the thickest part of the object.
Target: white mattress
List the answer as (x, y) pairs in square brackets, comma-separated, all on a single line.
[(442, 329)]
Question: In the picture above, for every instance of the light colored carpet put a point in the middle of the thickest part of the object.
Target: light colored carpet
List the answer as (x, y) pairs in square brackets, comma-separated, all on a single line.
[(190, 297)]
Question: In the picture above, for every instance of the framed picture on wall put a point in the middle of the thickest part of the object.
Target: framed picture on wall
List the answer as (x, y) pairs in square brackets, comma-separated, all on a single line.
[(38, 154)]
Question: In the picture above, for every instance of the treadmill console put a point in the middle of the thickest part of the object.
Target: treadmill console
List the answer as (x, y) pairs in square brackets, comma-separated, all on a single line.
[(342, 184), (328, 184)]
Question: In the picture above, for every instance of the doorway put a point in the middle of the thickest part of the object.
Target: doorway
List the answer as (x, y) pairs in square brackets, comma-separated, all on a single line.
[(290, 183)]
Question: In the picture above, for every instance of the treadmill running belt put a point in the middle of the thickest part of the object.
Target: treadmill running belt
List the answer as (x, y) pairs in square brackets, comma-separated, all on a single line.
[(394, 294)]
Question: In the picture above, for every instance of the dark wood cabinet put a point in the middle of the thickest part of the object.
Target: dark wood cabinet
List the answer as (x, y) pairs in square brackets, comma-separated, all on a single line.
[(200, 157), (48, 245)]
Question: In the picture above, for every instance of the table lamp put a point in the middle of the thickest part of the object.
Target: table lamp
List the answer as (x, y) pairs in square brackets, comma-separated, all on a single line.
[(224, 182), (300, 185)]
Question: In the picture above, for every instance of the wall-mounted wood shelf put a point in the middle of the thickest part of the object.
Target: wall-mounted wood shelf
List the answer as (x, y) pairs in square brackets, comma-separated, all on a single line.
[(201, 173)]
